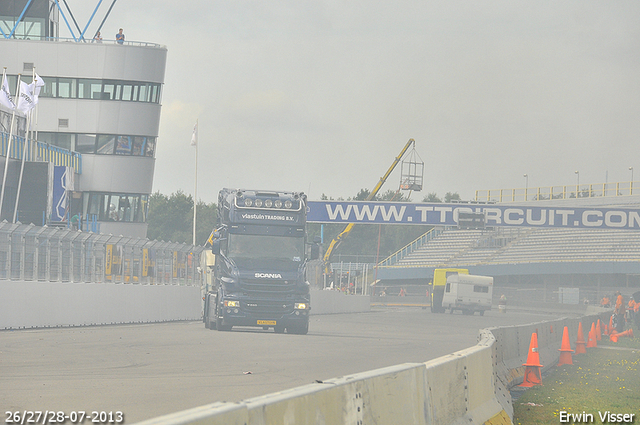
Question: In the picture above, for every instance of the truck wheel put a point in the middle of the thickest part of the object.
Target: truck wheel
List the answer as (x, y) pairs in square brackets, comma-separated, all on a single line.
[(221, 327), (208, 323)]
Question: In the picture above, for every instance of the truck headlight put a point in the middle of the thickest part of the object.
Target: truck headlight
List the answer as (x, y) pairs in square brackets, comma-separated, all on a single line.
[(300, 306), (232, 303)]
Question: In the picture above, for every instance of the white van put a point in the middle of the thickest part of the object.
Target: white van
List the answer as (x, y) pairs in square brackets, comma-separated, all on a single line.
[(468, 293)]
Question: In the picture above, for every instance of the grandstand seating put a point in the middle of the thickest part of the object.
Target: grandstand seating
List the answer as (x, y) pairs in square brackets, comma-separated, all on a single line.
[(453, 247)]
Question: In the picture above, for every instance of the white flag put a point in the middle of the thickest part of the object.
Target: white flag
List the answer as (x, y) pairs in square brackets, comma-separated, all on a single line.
[(25, 99), (5, 94), (35, 86), (194, 136)]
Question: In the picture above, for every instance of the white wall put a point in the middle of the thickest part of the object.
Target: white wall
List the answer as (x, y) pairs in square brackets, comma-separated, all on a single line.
[(332, 302), (50, 304)]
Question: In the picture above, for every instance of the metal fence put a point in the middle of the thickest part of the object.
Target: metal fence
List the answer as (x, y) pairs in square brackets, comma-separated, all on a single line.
[(51, 254)]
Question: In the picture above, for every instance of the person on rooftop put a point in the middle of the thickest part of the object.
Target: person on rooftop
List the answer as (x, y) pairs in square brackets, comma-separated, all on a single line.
[(120, 37)]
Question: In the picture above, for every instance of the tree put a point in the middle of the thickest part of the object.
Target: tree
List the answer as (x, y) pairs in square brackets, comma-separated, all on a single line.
[(431, 197), (171, 218), (448, 197)]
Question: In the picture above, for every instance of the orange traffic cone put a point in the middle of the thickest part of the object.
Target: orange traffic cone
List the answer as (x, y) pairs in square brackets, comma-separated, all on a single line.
[(606, 329), (598, 331), (611, 324), (532, 371), (614, 337), (592, 342), (580, 343), (565, 349)]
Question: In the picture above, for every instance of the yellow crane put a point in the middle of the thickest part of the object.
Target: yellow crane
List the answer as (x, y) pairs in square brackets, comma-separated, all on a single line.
[(338, 239)]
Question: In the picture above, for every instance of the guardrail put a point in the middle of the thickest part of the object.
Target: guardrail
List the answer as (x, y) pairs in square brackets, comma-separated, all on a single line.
[(470, 386), (102, 41), (408, 249)]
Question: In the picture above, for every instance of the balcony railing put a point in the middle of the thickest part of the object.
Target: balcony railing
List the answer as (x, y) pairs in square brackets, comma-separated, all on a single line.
[(39, 152), (559, 192)]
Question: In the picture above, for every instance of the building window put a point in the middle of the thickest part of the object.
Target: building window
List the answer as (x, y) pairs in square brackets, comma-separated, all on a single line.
[(109, 91), (124, 145), (87, 88), (150, 149), (127, 92), (64, 88), (86, 143), (103, 144), (61, 140), (121, 207), (106, 144)]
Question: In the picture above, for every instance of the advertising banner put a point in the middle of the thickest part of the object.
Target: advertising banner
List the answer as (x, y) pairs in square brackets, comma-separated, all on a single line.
[(62, 184), (441, 214)]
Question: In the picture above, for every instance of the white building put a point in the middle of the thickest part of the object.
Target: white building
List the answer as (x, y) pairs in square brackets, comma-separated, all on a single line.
[(101, 99)]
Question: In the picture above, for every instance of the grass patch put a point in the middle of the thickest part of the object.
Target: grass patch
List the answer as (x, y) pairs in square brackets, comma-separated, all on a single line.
[(603, 379)]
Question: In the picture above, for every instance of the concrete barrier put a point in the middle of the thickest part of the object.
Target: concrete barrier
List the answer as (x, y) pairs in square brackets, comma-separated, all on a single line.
[(470, 386), (51, 304), (392, 395)]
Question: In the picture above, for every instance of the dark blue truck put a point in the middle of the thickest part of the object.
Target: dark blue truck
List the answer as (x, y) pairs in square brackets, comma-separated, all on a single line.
[(260, 268)]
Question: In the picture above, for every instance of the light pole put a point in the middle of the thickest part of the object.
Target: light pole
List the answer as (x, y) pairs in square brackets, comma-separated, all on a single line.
[(577, 173), (631, 183), (526, 185)]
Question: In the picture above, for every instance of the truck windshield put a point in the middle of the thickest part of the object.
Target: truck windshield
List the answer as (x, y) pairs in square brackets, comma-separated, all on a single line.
[(280, 252)]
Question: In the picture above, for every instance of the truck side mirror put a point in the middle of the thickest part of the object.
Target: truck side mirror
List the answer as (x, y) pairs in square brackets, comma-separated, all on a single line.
[(215, 246), (315, 251)]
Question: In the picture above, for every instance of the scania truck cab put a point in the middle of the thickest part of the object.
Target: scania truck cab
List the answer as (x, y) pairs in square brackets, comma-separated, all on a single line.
[(260, 268)]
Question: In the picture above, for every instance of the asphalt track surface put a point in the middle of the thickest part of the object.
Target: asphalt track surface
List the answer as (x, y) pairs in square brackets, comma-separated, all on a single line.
[(148, 370)]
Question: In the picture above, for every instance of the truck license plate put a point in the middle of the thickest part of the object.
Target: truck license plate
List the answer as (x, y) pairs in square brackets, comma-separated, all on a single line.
[(267, 322)]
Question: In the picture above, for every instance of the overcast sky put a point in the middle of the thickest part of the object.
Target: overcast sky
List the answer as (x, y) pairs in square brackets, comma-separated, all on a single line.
[(321, 96)]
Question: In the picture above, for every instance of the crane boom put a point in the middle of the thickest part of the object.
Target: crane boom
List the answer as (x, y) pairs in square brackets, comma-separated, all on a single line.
[(338, 239)]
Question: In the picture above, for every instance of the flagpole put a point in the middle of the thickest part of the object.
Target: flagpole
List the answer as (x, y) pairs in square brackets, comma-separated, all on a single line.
[(6, 161), (24, 151), (35, 137), (195, 192), (24, 155)]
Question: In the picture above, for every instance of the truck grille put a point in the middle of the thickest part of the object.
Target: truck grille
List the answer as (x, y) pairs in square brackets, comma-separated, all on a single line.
[(270, 289), (268, 309)]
